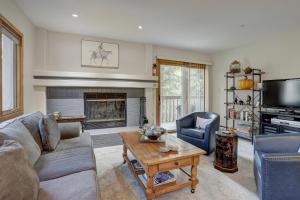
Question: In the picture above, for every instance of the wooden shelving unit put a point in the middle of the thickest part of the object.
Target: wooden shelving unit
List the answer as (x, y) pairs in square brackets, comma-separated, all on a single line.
[(253, 107)]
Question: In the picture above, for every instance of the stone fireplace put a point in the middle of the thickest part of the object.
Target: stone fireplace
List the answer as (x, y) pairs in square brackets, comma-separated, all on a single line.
[(104, 110)]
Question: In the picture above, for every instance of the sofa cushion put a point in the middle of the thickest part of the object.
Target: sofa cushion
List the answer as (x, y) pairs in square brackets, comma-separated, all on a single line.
[(18, 178), (84, 140), (193, 132), (81, 185), (57, 164), (50, 133), (31, 122), (17, 131)]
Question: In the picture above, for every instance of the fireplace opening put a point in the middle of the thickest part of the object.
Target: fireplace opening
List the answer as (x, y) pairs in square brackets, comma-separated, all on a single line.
[(105, 110)]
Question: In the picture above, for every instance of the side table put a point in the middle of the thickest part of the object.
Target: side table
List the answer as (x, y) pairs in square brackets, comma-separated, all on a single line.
[(75, 118), (226, 152)]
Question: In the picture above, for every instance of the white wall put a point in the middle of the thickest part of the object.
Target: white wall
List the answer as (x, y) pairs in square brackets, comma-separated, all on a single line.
[(62, 52), (278, 56), (180, 55), (10, 10)]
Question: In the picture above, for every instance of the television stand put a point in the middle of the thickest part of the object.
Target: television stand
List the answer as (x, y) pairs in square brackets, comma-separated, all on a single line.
[(266, 127)]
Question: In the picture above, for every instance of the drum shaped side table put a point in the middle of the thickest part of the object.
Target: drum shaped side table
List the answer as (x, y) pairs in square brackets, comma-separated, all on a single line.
[(226, 152)]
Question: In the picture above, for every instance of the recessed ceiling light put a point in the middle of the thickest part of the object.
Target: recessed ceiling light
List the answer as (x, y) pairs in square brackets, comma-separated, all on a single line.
[(75, 15), (140, 27)]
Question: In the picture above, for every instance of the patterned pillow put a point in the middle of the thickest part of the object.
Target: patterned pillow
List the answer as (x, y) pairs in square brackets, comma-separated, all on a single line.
[(18, 178), (49, 132)]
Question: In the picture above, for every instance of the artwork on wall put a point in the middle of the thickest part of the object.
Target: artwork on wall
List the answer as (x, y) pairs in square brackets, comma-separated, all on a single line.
[(99, 54)]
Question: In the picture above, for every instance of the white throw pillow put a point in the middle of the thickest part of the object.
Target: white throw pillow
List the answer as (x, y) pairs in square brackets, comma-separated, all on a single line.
[(18, 132), (202, 122)]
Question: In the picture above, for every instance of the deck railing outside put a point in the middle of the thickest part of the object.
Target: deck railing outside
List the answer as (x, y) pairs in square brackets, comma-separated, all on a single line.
[(172, 109)]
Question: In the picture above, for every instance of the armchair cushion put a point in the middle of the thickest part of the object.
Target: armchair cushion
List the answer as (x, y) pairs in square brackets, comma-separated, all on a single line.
[(193, 132)]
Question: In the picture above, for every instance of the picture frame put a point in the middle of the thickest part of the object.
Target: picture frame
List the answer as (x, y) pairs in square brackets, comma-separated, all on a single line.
[(99, 54)]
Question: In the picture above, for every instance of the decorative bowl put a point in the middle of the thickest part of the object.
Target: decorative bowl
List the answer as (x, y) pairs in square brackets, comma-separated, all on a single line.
[(153, 133)]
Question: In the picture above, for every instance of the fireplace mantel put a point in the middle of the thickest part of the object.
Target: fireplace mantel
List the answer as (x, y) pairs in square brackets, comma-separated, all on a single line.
[(86, 79)]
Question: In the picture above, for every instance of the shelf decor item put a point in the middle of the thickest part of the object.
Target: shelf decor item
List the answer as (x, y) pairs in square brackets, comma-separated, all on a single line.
[(246, 84), (248, 70), (235, 67)]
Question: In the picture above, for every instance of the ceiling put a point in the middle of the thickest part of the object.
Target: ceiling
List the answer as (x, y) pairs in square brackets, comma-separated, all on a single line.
[(202, 25)]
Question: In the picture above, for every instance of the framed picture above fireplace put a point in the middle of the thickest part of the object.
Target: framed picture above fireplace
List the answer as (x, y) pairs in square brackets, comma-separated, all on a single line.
[(99, 54)]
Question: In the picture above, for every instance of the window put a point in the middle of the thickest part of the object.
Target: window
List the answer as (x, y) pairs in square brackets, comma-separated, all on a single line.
[(11, 91)]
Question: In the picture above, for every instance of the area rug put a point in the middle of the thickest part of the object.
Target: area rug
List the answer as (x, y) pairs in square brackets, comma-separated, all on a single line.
[(117, 183), (106, 140)]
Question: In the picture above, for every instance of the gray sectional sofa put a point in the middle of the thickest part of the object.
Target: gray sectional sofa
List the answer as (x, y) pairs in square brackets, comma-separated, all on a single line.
[(68, 172)]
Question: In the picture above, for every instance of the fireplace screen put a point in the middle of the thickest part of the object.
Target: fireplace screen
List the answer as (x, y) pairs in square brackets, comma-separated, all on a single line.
[(104, 110)]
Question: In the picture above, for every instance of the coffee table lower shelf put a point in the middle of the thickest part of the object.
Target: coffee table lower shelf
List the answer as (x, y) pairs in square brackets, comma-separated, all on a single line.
[(153, 191)]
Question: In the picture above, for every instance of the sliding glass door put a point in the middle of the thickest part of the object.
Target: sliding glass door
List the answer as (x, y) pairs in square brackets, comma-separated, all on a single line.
[(181, 90)]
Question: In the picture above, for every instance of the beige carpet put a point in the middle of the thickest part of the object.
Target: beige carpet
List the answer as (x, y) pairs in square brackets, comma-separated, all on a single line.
[(117, 182)]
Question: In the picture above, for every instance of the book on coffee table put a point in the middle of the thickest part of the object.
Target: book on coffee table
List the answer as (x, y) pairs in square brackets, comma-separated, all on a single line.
[(137, 166), (160, 178)]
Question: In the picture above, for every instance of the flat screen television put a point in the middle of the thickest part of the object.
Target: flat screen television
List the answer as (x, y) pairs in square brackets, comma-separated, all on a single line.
[(283, 94)]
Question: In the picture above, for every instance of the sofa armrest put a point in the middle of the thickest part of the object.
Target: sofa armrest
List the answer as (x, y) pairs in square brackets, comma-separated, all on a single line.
[(280, 176), (69, 130), (285, 143)]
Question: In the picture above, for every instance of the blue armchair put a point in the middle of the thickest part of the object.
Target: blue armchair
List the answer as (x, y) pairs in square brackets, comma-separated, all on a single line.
[(277, 166), (202, 138)]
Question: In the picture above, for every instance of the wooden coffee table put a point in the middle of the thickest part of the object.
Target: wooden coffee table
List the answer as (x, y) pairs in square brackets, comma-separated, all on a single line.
[(154, 161)]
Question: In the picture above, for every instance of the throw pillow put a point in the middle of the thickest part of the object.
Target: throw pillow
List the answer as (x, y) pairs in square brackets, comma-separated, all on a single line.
[(18, 132), (49, 132), (18, 178), (202, 122)]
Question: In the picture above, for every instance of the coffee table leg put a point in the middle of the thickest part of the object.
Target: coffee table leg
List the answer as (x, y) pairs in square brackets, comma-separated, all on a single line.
[(124, 153), (194, 178), (149, 190)]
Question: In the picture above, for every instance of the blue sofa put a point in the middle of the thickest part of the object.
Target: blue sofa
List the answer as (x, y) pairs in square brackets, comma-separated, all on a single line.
[(277, 166), (202, 138)]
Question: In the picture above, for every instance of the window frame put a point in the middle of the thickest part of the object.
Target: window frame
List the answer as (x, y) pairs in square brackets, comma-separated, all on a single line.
[(19, 109)]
